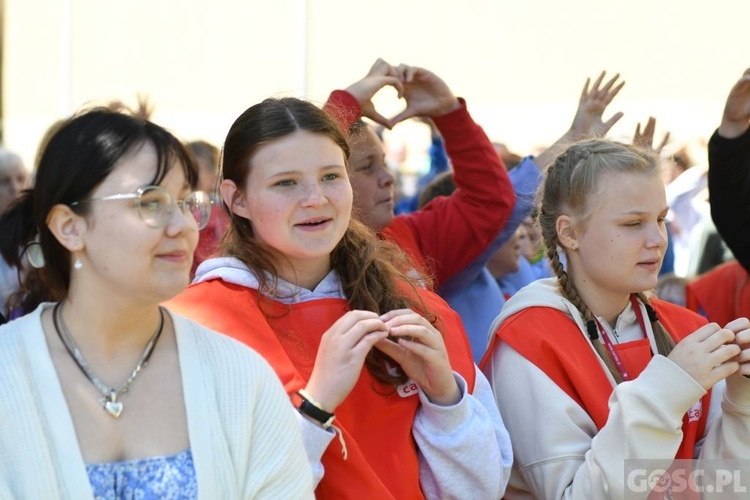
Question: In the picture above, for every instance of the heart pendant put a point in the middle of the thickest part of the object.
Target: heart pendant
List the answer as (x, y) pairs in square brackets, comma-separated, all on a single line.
[(114, 408)]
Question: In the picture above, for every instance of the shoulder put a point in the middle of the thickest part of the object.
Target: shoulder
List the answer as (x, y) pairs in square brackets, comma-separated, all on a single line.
[(218, 351), (13, 333)]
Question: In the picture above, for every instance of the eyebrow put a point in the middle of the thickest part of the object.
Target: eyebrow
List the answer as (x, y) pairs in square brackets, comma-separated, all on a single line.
[(641, 212)]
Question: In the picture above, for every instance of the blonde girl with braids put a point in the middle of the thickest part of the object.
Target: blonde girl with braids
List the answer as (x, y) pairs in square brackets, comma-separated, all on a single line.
[(588, 369), (390, 402)]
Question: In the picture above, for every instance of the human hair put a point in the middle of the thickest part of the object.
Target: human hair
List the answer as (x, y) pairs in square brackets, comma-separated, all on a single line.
[(441, 185), (372, 271), (206, 151), (571, 187), (77, 155)]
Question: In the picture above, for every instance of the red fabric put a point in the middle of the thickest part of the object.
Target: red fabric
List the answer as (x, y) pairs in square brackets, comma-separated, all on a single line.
[(375, 419), (722, 294), (450, 232), (565, 356), (210, 236)]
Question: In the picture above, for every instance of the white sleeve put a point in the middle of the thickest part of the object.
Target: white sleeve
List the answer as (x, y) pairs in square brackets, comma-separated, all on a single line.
[(463, 448), (316, 441), (559, 452), (728, 431)]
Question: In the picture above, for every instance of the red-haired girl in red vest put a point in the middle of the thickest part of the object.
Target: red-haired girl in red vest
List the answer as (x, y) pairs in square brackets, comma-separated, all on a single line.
[(390, 402), (588, 371)]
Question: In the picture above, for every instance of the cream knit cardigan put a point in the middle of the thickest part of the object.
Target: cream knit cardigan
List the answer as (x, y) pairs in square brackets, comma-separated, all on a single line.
[(243, 434)]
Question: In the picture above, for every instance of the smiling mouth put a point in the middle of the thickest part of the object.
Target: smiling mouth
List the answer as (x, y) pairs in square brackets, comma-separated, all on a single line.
[(313, 223)]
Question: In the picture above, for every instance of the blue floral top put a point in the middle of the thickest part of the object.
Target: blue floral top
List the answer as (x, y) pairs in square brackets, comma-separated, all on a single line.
[(167, 477)]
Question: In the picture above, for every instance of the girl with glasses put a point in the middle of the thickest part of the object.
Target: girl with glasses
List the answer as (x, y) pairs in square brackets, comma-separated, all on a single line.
[(103, 393)]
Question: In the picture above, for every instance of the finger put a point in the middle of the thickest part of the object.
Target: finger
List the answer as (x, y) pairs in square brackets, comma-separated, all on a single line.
[(742, 337), (663, 143), (723, 354), (610, 83), (373, 115), (404, 115), (637, 138), (717, 339), (738, 325), (585, 91), (613, 93), (597, 82), (422, 351), (367, 342), (394, 313), (606, 126), (391, 348), (724, 370), (648, 131), (348, 320), (703, 332)]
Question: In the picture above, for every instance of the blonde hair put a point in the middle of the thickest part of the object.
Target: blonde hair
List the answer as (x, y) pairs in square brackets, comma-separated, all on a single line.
[(571, 187)]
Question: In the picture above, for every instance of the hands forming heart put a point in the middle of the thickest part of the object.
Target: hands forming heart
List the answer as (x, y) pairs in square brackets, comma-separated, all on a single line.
[(425, 93)]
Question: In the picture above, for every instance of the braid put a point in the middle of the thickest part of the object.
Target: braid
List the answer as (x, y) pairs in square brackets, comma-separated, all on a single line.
[(568, 290), (664, 341)]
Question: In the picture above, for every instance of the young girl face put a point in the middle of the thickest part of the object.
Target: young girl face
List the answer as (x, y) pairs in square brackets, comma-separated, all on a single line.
[(621, 246), (123, 252), (298, 198)]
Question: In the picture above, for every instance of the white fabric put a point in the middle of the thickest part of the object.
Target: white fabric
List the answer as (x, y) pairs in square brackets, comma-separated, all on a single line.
[(240, 423), (559, 452)]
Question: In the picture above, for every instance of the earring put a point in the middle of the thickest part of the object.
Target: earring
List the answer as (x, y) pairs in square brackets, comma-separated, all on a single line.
[(78, 264)]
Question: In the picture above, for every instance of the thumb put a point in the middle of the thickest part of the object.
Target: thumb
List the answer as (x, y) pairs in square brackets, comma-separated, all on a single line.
[(373, 115), (606, 126)]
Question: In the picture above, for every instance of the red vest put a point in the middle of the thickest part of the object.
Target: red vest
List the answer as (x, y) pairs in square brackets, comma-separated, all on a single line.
[(375, 419), (722, 294), (553, 342)]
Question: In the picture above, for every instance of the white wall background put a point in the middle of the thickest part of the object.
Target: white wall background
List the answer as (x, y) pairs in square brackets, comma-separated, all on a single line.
[(519, 64)]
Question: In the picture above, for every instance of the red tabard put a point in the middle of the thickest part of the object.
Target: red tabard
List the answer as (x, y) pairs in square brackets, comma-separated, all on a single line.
[(554, 344), (375, 419), (723, 293)]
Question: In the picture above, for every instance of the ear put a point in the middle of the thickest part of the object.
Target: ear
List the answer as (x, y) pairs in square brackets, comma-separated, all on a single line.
[(566, 233), (67, 226), (232, 197)]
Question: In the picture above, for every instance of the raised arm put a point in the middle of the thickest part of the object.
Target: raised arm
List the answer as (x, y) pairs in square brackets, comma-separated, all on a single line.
[(729, 172)]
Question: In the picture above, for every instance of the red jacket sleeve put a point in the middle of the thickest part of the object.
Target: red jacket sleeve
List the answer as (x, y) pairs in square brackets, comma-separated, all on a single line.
[(452, 231), (449, 232)]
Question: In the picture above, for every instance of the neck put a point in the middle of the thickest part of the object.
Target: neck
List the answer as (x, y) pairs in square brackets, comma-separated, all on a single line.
[(306, 275), (607, 305), (111, 329)]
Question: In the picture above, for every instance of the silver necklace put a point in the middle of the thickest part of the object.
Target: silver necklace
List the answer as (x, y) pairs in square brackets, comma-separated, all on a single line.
[(109, 401)]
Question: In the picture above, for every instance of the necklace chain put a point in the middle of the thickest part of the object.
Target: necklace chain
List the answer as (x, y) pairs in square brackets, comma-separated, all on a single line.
[(109, 402)]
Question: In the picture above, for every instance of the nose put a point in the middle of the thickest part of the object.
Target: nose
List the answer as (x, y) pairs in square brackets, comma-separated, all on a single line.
[(386, 178), (657, 237), (181, 221), (313, 195)]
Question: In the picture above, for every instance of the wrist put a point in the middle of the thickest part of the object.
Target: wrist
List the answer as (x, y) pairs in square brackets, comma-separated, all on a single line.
[(447, 398), (731, 129), (450, 106), (312, 409)]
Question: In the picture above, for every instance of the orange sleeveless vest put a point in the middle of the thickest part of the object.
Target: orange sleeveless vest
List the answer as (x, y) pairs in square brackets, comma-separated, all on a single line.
[(722, 293), (565, 356), (375, 419)]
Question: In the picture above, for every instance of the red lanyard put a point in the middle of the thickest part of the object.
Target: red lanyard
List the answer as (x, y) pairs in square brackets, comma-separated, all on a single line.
[(611, 348)]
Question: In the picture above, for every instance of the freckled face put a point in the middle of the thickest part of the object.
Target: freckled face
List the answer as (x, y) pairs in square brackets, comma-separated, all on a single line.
[(622, 244), (298, 198)]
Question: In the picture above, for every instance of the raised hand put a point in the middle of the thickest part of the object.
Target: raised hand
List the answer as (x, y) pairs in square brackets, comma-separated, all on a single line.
[(381, 75), (420, 350), (588, 120), (707, 354), (645, 139), (341, 355), (736, 116), (426, 94)]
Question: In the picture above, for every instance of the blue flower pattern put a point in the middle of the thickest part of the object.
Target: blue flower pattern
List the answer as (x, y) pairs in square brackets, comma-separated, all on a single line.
[(167, 477)]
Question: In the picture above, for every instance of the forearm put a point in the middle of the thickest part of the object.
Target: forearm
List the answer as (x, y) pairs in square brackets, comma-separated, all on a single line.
[(559, 451), (464, 447)]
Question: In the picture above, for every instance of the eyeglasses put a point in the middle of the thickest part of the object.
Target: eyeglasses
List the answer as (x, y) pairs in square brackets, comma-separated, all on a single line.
[(156, 205)]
